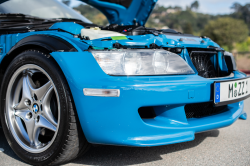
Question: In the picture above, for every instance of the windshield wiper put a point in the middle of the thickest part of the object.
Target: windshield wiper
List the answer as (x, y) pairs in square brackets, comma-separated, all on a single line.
[(68, 19), (10, 23)]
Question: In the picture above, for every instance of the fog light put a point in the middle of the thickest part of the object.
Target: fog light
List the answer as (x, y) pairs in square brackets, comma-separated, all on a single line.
[(101, 92)]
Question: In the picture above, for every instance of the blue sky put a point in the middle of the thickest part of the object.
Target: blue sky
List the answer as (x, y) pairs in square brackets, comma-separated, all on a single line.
[(206, 6)]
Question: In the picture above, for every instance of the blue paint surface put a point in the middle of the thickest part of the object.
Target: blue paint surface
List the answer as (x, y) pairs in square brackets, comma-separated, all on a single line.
[(116, 121), (138, 11), (243, 116), (108, 120), (68, 26)]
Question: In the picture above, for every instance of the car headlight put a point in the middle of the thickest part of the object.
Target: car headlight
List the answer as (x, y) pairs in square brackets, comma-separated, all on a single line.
[(141, 62)]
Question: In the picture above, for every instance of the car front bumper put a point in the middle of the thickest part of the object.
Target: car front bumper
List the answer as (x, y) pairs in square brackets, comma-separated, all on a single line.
[(116, 121)]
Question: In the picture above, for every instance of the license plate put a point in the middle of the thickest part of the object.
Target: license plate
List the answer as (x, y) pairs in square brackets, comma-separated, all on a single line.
[(226, 92)]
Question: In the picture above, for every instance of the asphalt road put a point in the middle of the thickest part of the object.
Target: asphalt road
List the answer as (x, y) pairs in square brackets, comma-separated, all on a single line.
[(227, 146)]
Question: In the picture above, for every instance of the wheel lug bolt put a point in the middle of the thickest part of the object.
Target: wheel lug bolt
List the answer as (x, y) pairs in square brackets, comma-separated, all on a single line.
[(37, 119), (27, 102), (14, 107), (35, 97), (29, 115)]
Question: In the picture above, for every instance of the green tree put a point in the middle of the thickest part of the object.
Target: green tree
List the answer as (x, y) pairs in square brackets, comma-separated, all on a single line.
[(187, 28), (195, 5), (92, 14), (242, 12), (236, 7), (244, 46), (226, 31)]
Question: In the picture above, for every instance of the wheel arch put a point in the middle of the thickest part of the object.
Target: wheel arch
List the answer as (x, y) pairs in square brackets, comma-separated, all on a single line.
[(45, 43), (8, 58)]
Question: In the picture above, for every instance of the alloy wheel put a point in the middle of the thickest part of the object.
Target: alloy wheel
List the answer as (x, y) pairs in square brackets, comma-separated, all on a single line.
[(32, 108)]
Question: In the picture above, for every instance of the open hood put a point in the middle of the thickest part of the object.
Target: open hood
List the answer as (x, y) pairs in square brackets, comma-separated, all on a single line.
[(124, 12)]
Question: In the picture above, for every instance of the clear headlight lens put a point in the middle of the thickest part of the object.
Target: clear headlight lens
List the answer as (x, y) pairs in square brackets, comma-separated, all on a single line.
[(141, 62), (132, 63), (159, 63)]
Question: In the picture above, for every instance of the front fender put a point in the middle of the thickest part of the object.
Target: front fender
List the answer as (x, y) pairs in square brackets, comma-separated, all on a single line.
[(80, 70)]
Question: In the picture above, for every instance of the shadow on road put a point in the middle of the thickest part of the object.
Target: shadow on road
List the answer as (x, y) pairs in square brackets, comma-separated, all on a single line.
[(119, 155), (116, 155)]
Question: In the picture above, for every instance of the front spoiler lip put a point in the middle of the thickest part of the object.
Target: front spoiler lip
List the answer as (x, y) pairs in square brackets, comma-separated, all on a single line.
[(118, 130), (183, 134)]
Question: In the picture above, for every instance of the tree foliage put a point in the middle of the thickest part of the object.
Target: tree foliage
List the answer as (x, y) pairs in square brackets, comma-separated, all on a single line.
[(92, 14), (244, 46), (242, 12), (226, 31), (187, 28), (181, 21), (195, 5)]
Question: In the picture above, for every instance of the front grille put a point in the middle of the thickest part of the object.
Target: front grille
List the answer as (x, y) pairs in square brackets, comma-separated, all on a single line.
[(203, 64), (200, 110)]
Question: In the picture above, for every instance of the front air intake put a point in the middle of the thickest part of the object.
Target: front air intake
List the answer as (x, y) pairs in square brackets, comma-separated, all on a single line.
[(200, 110)]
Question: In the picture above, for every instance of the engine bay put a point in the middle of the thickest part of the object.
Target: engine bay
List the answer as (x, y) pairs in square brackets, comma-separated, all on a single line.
[(133, 30)]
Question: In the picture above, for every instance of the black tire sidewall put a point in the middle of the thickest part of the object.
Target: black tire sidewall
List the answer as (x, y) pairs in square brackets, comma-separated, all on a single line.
[(51, 67)]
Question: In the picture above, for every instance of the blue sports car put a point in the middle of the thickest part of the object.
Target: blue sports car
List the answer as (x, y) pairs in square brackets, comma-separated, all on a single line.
[(67, 83)]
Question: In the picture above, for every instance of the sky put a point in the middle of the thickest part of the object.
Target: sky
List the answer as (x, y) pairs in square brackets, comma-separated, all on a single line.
[(206, 6)]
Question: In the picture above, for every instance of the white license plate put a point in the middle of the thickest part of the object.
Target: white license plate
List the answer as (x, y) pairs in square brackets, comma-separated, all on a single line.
[(226, 92)]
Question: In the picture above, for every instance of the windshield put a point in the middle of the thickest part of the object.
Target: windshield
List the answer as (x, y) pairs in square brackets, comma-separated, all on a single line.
[(48, 9)]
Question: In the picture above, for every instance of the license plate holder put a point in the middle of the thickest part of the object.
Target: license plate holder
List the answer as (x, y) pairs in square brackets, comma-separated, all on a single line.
[(231, 91)]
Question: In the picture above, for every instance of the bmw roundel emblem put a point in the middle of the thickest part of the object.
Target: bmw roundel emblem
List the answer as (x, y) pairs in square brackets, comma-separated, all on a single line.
[(35, 108)]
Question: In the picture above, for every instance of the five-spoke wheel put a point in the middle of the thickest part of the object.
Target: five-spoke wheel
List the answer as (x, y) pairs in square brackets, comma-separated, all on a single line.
[(33, 121)]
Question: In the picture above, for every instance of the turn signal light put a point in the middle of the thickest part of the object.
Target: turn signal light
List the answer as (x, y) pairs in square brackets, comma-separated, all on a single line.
[(101, 92)]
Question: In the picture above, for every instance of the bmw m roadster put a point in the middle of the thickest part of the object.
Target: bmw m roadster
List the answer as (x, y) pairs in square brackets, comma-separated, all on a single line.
[(67, 83)]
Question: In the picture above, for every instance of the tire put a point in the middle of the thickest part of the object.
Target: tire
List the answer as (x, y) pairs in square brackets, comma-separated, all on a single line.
[(37, 112)]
